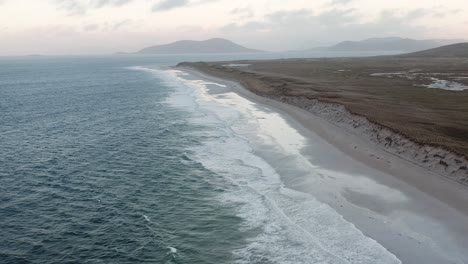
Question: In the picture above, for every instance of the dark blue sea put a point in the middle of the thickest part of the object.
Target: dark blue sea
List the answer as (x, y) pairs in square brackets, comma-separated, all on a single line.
[(121, 160)]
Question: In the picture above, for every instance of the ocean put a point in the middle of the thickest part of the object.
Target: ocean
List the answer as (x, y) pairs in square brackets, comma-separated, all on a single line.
[(121, 159)]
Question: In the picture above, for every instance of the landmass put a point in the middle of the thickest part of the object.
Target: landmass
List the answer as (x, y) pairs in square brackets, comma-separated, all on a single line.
[(413, 105), (215, 45), (388, 44)]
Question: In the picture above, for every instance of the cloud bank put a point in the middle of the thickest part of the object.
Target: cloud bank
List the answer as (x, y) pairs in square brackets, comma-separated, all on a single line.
[(289, 28), (166, 5), (55, 26), (80, 7)]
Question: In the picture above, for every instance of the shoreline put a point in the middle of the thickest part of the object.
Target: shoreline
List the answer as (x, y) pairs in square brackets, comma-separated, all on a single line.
[(413, 190), (437, 158), (443, 188)]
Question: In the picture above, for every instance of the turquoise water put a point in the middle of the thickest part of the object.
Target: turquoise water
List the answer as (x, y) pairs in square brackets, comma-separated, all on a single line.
[(119, 160)]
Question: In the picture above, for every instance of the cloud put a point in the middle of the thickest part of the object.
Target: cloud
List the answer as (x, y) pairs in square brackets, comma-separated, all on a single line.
[(282, 18), (169, 4), (91, 27), (340, 2), (242, 13), (73, 7), (80, 7), (329, 17), (108, 26), (166, 5), (332, 18), (117, 25), (60, 31), (305, 28), (102, 3), (417, 13)]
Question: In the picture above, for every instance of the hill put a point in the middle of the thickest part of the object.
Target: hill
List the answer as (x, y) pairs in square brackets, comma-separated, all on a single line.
[(459, 50), (216, 45), (387, 44)]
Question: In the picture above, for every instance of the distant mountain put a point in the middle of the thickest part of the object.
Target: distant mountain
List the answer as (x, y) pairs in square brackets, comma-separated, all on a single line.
[(455, 50), (387, 44), (216, 45)]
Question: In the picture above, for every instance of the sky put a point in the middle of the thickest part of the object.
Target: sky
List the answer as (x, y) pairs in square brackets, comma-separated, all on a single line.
[(57, 27)]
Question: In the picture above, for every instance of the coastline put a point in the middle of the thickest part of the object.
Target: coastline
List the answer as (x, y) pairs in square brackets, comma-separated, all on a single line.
[(439, 159), (424, 188), (443, 188)]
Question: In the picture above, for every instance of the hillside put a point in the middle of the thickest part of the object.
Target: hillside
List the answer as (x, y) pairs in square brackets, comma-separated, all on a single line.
[(459, 50), (216, 45), (387, 44)]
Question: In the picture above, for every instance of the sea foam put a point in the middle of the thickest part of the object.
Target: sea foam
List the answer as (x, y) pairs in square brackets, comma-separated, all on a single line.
[(285, 226)]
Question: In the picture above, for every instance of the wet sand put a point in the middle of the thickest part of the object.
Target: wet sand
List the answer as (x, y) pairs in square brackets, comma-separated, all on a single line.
[(414, 213)]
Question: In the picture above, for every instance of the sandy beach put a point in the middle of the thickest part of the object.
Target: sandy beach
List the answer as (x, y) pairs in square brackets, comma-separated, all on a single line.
[(387, 101), (414, 213)]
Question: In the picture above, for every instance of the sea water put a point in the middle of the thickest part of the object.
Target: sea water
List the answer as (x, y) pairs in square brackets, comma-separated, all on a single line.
[(123, 160)]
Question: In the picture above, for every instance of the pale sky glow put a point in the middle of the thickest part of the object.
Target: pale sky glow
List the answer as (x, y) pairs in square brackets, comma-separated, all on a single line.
[(107, 26)]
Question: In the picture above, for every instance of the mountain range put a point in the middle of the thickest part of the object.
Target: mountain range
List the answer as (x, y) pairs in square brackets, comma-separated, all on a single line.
[(387, 44), (219, 45)]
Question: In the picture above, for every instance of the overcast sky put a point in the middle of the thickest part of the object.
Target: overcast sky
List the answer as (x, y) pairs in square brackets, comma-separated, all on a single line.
[(106, 26)]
